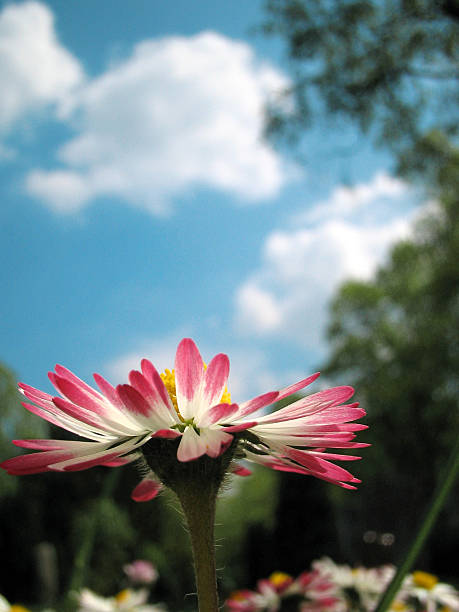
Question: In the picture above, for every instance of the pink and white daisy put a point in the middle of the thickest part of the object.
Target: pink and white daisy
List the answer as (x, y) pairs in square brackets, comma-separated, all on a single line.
[(192, 408), (310, 592), (367, 583), (245, 600), (319, 592), (141, 572), (424, 590), (125, 601)]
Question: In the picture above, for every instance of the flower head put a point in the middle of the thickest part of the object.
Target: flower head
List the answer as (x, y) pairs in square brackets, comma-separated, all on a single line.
[(7, 607), (125, 601), (141, 572), (190, 410), (422, 590), (310, 592), (359, 585)]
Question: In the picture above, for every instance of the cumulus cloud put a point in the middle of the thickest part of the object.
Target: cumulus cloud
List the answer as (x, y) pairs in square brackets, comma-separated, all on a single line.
[(287, 295), (346, 200), (179, 113), (35, 69)]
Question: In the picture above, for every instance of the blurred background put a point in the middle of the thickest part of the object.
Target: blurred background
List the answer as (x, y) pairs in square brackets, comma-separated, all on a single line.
[(277, 180)]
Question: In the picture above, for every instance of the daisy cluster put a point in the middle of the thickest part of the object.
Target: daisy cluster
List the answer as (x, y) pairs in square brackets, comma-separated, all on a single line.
[(189, 412), (329, 587), (326, 587)]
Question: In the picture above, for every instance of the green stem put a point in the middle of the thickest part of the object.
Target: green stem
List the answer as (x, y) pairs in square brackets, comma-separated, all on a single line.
[(196, 483), (436, 505), (199, 510)]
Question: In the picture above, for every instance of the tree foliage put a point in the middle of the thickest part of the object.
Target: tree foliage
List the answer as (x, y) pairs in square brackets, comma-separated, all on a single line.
[(396, 339), (392, 66)]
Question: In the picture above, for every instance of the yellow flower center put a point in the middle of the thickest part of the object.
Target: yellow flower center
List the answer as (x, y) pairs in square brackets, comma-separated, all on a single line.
[(424, 580), (278, 578), (17, 608), (123, 596), (168, 378)]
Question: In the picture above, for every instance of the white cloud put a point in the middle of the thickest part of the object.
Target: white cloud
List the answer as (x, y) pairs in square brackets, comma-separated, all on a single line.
[(178, 113), (260, 310), (63, 190), (287, 296), (346, 200), (35, 70)]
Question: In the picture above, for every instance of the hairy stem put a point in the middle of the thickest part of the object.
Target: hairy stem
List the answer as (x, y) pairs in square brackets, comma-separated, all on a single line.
[(199, 510)]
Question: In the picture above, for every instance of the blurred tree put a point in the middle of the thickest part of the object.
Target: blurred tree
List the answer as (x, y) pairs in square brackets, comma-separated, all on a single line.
[(15, 423), (392, 66), (396, 339)]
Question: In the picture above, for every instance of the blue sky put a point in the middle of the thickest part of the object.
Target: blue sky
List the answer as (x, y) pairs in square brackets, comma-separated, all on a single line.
[(140, 203)]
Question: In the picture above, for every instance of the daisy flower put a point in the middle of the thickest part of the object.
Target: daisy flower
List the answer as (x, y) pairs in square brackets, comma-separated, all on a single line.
[(267, 598), (310, 592), (125, 601), (190, 410), (365, 584), (141, 572), (5, 606), (425, 590)]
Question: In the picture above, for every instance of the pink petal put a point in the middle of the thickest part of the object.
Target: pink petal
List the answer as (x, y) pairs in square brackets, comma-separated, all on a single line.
[(239, 427), (311, 404), (339, 444), (41, 399), (155, 380), (52, 418), (240, 470), (65, 373), (215, 379), (78, 413), (85, 463), (77, 395), (219, 413), (124, 460), (334, 456), (338, 414), (316, 464), (257, 403), (39, 444), (143, 386), (108, 390), (28, 390), (146, 490), (166, 433), (189, 370), (297, 386), (133, 401), (34, 463)]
